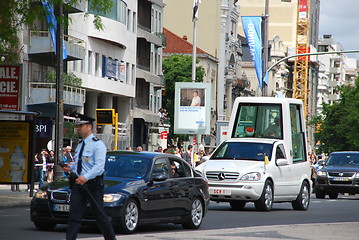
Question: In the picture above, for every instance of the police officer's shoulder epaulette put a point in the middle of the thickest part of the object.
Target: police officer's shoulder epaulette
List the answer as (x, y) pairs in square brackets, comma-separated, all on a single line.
[(95, 139), (81, 140)]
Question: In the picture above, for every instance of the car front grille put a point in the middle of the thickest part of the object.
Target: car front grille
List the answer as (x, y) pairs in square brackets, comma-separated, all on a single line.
[(341, 182), (341, 174), (60, 196), (222, 176)]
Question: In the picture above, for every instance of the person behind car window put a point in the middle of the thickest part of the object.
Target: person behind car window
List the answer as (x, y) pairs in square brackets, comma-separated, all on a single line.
[(174, 170), (274, 130)]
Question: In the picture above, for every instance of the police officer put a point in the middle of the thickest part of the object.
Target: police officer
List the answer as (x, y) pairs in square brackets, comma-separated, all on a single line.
[(89, 164)]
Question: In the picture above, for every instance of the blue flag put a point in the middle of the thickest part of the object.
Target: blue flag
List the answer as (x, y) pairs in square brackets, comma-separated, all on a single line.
[(252, 26), (51, 20)]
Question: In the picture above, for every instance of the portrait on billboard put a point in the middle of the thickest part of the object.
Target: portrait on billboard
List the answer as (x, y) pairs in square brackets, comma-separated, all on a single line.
[(192, 111), (193, 97)]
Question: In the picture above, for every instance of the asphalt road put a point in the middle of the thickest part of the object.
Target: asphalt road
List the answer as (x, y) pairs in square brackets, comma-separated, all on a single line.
[(15, 222)]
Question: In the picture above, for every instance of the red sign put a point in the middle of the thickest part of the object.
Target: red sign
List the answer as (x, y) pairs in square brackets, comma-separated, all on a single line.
[(10, 76), (303, 8), (164, 135)]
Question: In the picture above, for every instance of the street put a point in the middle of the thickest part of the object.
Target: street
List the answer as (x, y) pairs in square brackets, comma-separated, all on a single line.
[(321, 219)]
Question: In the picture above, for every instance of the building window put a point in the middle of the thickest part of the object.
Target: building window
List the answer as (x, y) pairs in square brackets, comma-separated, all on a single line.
[(128, 19), (133, 75), (83, 66), (134, 22), (118, 11), (128, 70), (74, 66), (89, 66), (97, 64)]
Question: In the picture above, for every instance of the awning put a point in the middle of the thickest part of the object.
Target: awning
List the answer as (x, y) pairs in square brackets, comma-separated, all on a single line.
[(146, 115)]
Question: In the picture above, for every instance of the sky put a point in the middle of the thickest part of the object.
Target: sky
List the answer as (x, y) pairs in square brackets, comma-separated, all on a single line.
[(340, 18)]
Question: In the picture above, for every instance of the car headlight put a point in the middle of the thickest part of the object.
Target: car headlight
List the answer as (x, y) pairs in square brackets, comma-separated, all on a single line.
[(254, 176), (321, 173), (357, 175), (41, 194), (111, 197)]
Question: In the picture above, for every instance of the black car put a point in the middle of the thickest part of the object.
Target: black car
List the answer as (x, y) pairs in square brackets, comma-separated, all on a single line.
[(140, 187), (339, 174)]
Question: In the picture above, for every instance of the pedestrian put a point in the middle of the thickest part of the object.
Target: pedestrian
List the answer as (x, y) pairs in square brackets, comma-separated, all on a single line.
[(177, 152), (68, 154), (43, 159), (188, 155), (128, 148), (90, 158), (139, 149), (160, 149)]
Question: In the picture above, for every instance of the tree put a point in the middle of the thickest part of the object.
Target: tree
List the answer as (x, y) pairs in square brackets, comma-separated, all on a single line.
[(177, 68), (338, 126), (14, 14)]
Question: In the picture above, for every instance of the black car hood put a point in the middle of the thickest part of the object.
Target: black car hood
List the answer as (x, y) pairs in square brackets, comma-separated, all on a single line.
[(341, 169), (112, 185)]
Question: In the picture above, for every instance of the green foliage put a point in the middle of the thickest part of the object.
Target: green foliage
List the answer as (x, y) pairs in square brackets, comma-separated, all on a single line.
[(339, 123), (69, 79), (69, 130), (177, 68)]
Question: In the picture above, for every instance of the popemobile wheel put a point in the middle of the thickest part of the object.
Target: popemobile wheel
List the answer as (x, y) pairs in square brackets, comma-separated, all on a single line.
[(130, 217), (303, 199), (195, 217)]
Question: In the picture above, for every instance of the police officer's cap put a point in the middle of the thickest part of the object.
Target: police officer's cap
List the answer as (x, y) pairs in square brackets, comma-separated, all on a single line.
[(82, 119)]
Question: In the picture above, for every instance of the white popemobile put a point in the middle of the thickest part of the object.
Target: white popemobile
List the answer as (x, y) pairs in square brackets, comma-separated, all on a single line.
[(265, 158)]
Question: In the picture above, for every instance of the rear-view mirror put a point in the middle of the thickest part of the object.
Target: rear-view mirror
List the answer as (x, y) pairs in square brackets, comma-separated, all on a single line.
[(158, 178), (282, 162)]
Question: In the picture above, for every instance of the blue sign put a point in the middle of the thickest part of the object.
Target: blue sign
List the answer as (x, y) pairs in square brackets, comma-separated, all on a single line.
[(109, 67), (252, 26), (44, 129)]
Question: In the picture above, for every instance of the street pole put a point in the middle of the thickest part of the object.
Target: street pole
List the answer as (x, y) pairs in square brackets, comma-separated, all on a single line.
[(194, 58), (59, 119), (222, 61), (265, 47)]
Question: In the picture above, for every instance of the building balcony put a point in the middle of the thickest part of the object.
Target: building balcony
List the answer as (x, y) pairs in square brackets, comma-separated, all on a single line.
[(333, 97), (41, 93), (141, 72), (334, 70), (143, 32), (333, 83), (41, 49)]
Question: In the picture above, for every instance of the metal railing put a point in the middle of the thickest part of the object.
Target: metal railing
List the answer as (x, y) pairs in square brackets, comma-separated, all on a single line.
[(67, 38), (79, 94)]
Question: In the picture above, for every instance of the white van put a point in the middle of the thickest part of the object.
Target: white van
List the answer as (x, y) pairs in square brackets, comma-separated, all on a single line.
[(265, 158)]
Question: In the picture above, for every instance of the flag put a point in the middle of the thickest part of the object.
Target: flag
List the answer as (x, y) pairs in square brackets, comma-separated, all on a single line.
[(252, 26), (266, 160), (195, 10), (51, 20)]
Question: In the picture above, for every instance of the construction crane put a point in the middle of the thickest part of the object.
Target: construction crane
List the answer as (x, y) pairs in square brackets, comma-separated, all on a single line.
[(301, 64)]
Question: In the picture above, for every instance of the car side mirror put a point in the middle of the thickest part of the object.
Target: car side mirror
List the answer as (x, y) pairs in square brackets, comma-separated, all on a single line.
[(282, 162), (159, 178)]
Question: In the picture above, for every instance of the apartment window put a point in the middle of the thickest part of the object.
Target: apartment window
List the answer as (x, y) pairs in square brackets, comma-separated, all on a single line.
[(89, 62), (128, 70), (74, 66), (128, 19), (159, 22), (118, 11), (97, 64), (287, 1), (151, 103), (82, 66), (134, 22), (133, 80)]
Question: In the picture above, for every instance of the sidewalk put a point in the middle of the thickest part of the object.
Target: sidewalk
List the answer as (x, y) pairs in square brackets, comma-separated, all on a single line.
[(14, 199)]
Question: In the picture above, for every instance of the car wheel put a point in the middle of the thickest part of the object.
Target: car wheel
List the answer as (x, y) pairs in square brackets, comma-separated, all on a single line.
[(265, 202), (333, 195), (44, 226), (238, 205), (195, 217), (303, 199), (130, 217), (319, 194)]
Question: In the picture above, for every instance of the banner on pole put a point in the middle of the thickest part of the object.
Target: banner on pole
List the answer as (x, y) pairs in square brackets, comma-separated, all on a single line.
[(252, 26)]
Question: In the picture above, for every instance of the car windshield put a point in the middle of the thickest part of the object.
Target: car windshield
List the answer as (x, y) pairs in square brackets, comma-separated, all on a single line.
[(343, 159), (243, 151), (125, 166)]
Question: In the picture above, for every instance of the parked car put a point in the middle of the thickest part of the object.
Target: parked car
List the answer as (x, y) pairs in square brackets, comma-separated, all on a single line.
[(256, 170), (140, 187), (339, 174)]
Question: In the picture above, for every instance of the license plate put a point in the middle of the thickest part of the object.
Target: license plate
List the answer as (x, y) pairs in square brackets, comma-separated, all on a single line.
[(340, 179), (61, 208), (219, 191)]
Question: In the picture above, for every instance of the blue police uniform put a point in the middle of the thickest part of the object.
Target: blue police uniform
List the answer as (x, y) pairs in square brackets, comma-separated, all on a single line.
[(92, 159)]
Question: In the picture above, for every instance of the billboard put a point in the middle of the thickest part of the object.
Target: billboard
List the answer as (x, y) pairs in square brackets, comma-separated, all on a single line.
[(192, 108), (303, 8), (10, 79), (14, 151)]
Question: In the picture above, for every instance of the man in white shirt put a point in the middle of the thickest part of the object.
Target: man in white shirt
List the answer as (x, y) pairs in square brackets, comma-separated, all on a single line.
[(196, 100)]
